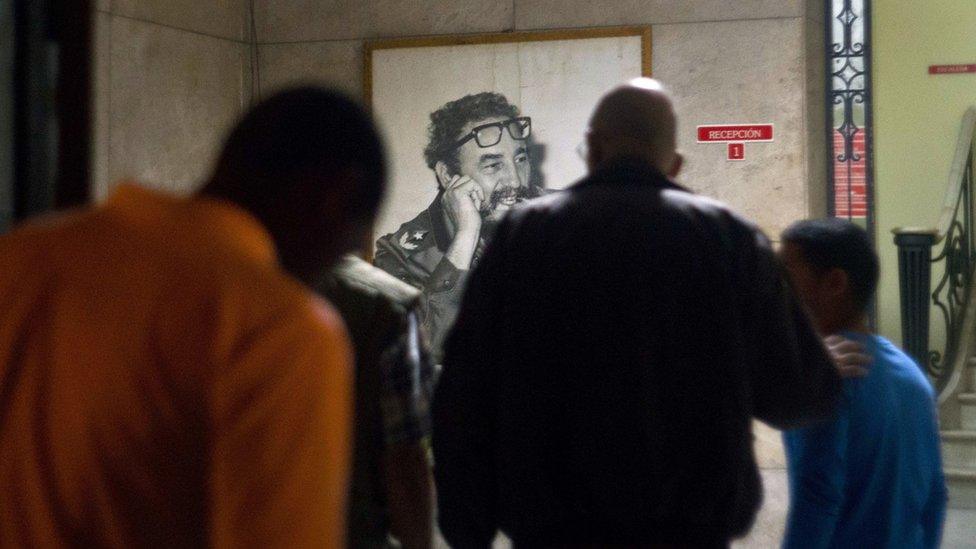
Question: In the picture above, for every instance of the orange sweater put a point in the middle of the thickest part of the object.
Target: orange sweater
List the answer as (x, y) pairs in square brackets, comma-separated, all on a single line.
[(163, 382)]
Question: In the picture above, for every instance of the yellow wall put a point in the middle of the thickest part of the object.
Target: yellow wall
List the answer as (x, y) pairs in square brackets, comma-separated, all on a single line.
[(916, 121)]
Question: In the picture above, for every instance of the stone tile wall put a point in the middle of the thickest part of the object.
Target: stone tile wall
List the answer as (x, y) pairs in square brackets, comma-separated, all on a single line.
[(170, 77)]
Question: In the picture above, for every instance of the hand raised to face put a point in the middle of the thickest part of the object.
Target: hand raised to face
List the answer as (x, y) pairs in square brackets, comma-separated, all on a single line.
[(463, 200)]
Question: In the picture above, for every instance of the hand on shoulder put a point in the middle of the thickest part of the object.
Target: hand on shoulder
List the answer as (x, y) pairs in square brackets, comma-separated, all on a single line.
[(848, 356)]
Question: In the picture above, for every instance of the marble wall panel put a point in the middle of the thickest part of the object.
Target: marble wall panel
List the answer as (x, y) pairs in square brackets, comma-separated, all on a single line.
[(221, 18), (174, 94), (548, 14), (308, 20), (736, 72), (103, 5), (336, 64), (816, 105), (101, 103)]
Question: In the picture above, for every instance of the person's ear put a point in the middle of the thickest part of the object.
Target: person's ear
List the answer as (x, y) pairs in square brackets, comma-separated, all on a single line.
[(443, 173), (677, 162)]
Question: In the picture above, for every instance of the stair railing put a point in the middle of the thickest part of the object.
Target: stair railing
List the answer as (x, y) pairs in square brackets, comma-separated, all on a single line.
[(957, 254)]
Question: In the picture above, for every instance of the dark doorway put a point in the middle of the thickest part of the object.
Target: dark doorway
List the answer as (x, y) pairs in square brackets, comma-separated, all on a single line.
[(45, 106)]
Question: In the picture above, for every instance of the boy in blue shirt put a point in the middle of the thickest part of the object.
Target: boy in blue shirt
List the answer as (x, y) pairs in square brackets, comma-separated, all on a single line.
[(872, 475)]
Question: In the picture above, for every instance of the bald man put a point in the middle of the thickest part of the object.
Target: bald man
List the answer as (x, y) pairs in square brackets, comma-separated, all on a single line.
[(612, 348)]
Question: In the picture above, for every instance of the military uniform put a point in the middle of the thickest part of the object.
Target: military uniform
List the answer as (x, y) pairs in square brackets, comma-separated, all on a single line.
[(415, 254)]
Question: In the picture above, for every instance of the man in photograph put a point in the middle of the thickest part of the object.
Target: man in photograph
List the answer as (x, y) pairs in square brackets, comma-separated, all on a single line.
[(478, 149)]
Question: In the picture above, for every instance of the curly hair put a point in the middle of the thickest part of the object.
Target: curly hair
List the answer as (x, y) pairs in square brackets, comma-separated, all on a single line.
[(446, 124)]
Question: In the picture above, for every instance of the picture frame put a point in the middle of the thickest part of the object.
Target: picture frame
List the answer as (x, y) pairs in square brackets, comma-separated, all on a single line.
[(496, 117)]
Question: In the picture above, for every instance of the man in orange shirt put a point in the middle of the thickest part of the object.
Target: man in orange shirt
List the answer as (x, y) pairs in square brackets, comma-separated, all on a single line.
[(166, 379)]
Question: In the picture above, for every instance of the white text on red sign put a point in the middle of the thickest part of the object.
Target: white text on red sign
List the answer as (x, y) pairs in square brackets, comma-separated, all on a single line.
[(737, 151), (952, 69), (724, 133)]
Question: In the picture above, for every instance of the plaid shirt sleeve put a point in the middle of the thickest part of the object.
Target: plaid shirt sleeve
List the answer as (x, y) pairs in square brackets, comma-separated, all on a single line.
[(407, 385)]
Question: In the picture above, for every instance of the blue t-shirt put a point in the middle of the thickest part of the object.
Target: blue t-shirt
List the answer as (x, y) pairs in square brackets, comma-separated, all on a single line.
[(872, 475)]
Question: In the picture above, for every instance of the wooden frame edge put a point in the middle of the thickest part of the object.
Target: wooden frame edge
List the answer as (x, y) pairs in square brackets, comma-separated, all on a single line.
[(369, 46)]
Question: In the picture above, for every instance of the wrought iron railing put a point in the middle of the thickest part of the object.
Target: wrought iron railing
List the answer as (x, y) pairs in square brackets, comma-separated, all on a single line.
[(956, 255)]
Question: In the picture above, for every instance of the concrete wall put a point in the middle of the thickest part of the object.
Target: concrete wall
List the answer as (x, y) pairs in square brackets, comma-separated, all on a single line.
[(170, 76), (916, 122), (742, 61)]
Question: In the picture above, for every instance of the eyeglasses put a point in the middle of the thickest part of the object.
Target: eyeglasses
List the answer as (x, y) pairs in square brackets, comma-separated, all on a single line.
[(488, 135)]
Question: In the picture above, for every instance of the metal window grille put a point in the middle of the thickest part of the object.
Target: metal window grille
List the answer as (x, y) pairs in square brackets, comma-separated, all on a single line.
[(849, 140)]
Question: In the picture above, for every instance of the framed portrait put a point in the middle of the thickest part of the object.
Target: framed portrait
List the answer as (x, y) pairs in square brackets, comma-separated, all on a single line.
[(473, 125)]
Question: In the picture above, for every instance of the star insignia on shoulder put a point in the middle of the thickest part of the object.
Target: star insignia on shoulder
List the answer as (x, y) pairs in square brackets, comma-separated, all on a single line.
[(410, 239)]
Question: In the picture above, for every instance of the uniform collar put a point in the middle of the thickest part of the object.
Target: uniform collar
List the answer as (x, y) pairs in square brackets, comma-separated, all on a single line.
[(213, 219), (438, 223)]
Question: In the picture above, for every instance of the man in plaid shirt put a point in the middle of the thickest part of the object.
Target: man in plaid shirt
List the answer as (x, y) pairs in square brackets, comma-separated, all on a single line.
[(391, 486)]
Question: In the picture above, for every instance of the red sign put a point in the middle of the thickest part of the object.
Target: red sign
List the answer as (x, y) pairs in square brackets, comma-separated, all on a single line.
[(951, 69), (737, 151), (724, 133)]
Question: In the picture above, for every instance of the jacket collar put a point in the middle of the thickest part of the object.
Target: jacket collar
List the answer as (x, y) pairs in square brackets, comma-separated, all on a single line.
[(629, 171)]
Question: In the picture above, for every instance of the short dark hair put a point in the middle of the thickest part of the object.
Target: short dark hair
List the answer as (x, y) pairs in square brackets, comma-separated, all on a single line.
[(837, 243), (304, 129), (446, 124)]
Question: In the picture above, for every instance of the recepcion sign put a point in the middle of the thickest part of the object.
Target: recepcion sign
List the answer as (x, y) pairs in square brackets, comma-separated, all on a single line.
[(727, 133)]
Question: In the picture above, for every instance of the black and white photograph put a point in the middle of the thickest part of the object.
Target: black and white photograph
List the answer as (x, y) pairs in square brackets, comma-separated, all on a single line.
[(475, 125)]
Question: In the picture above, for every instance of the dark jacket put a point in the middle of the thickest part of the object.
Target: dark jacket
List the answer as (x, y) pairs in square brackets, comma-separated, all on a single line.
[(611, 350)]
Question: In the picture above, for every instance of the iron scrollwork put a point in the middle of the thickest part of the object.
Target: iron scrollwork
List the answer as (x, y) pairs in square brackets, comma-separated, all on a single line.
[(848, 91), (952, 292)]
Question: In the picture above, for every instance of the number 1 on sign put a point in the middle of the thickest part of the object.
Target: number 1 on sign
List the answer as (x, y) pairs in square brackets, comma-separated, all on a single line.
[(737, 151)]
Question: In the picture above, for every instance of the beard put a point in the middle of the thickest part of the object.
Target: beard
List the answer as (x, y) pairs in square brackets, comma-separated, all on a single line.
[(500, 194), (490, 216)]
